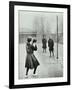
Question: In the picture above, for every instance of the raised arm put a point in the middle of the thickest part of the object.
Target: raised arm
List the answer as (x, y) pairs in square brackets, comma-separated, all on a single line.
[(34, 47)]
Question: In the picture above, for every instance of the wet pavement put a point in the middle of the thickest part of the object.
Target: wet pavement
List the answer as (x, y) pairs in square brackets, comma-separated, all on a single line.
[(49, 66)]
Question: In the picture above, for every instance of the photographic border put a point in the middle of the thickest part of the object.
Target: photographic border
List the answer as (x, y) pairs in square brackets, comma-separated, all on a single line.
[(11, 43)]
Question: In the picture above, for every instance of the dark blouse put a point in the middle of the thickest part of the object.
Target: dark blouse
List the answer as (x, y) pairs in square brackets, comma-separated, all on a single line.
[(30, 48)]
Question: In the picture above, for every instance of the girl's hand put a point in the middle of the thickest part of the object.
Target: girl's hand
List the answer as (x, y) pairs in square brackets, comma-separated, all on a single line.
[(34, 44)]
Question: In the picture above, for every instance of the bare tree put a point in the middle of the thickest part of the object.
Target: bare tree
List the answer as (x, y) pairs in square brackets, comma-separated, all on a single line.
[(48, 32), (36, 24), (42, 26)]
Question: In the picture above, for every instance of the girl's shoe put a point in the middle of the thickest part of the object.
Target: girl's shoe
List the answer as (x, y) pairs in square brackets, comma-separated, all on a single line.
[(34, 75), (26, 76)]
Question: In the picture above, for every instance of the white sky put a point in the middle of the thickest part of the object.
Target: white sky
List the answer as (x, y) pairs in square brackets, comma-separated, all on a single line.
[(27, 18)]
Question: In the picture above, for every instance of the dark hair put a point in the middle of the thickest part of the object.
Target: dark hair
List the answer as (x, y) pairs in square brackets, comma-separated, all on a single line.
[(29, 39), (34, 40)]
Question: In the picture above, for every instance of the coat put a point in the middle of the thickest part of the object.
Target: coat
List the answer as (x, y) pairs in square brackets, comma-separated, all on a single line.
[(44, 41), (51, 44), (31, 60)]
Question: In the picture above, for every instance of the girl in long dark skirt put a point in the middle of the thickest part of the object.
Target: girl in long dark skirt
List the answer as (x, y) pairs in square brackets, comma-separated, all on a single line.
[(35, 61), (31, 61), (28, 63)]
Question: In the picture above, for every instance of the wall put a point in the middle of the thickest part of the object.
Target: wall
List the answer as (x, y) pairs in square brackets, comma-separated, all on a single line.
[(4, 44)]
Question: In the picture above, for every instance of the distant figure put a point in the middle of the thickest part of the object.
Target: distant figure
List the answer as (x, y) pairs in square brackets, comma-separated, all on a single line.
[(44, 46), (51, 46), (31, 61)]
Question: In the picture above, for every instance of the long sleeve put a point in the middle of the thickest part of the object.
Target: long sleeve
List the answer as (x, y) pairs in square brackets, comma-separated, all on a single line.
[(48, 43), (34, 48)]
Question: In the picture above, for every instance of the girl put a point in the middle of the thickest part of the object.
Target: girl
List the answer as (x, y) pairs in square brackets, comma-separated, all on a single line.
[(28, 62), (35, 61), (31, 61)]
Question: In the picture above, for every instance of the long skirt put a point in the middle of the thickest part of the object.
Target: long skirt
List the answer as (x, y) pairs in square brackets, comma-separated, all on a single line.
[(51, 49), (31, 61), (44, 46)]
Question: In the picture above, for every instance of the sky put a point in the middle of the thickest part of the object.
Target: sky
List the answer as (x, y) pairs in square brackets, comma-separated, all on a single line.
[(30, 21)]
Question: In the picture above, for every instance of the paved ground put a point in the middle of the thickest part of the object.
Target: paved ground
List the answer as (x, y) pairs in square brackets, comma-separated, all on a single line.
[(49, 66)]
